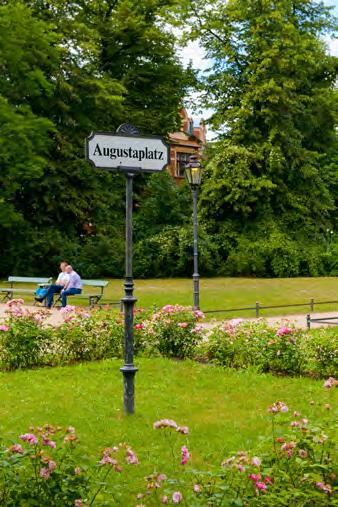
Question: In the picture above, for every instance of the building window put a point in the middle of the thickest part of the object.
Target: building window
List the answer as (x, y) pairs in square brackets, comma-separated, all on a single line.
[(181, 161)]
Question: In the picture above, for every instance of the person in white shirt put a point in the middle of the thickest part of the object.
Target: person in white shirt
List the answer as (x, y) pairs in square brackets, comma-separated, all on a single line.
[(59, 285), (72, 287)]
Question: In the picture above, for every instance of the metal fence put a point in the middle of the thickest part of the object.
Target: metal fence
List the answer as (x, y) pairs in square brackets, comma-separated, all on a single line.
[(258, 307), (332, 321)]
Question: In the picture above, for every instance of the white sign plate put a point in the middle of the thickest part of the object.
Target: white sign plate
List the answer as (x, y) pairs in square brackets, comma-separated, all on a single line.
[(123, 152)]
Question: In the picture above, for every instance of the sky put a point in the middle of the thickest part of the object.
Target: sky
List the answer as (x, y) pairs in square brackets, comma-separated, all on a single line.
[(195, 53)]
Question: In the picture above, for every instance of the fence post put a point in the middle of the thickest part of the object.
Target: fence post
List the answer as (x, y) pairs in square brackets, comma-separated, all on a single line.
[(312, 304), (257, 309), (308, 321)]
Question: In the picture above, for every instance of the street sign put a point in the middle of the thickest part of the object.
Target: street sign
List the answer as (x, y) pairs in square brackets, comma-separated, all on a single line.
[(116, 152), (131, 153)]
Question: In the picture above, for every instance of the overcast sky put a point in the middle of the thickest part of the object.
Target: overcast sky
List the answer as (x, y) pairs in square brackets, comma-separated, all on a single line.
[(193, 52)]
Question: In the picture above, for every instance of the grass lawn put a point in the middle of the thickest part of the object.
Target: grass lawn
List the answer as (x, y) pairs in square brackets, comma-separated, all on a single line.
[(224, 293), (225, 406), (225, 410)]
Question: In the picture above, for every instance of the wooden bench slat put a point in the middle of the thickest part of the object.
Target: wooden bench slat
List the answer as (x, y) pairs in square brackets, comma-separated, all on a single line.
[(29, 279), (13, 289), (95, 283), (86, 295)]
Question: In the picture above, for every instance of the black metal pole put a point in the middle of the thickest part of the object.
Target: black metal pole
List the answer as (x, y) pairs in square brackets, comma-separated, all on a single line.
[(129, 301), (195, 276)]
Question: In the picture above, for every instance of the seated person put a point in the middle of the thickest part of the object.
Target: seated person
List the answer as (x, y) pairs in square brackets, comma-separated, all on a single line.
[(72, 287), (60, 283)]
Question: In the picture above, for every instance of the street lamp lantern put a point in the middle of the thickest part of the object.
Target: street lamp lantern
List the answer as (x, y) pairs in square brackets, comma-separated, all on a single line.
[(193, 172)]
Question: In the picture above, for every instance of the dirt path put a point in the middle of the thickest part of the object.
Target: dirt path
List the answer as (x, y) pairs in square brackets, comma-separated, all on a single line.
[(299, 320)]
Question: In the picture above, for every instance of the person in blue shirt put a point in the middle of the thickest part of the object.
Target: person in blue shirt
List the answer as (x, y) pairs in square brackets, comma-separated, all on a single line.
[(72, 287)]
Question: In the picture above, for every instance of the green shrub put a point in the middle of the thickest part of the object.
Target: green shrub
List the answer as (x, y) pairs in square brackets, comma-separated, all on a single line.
[(42, 470), (23, 339), (277, 255), (320, 347), (173, 331), (239, 344), (87, 336)]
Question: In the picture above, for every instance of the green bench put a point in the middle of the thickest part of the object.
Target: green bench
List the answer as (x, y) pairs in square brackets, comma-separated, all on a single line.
[(8, 293), (93, 297)]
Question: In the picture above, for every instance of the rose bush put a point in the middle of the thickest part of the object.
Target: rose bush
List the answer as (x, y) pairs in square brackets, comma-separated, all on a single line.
[(45, 467), (173, 331), (23, 338), (280, 349)]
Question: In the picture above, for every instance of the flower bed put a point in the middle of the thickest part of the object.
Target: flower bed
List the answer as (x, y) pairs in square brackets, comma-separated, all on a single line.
[(295, 467), (174, 331), (281, 350)]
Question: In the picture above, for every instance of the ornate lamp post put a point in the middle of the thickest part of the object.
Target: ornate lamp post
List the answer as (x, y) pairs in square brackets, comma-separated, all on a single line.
[(193, 172)]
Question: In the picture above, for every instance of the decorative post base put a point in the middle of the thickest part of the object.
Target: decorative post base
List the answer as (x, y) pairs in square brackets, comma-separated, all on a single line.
[(129, 372), (196, 280)]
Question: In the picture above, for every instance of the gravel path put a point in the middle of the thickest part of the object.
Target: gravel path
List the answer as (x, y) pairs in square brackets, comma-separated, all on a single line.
[(298, 320)]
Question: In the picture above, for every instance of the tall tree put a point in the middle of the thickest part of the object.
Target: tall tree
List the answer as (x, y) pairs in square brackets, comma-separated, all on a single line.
[(69, 61), (271, 86)]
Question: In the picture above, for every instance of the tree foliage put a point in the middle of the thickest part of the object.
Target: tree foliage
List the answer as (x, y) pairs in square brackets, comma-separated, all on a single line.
[(272, 88), (270, 188), (68, 68)]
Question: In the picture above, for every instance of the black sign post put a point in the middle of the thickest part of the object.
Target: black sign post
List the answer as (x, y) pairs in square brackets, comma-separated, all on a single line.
[(128, 152)]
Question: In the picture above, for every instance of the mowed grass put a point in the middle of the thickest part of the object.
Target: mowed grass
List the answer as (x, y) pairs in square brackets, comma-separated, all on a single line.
[(228, 293), (226, 410)]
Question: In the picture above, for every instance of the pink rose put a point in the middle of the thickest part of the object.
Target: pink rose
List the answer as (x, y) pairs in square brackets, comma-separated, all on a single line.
[(183, 429), (325, 487), (330, 382), (165, 423), (67, 309), (279, 406), (107, 460), (185, 455), (256, 461), (255, 477), (16, 448), (183, 324), (48, 442), (30, 438), (177, 497), (3, 327), (131, 457), (139, 326), (51, 465), (45, 473), (283, 330), (199, 314), (235, 322)]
